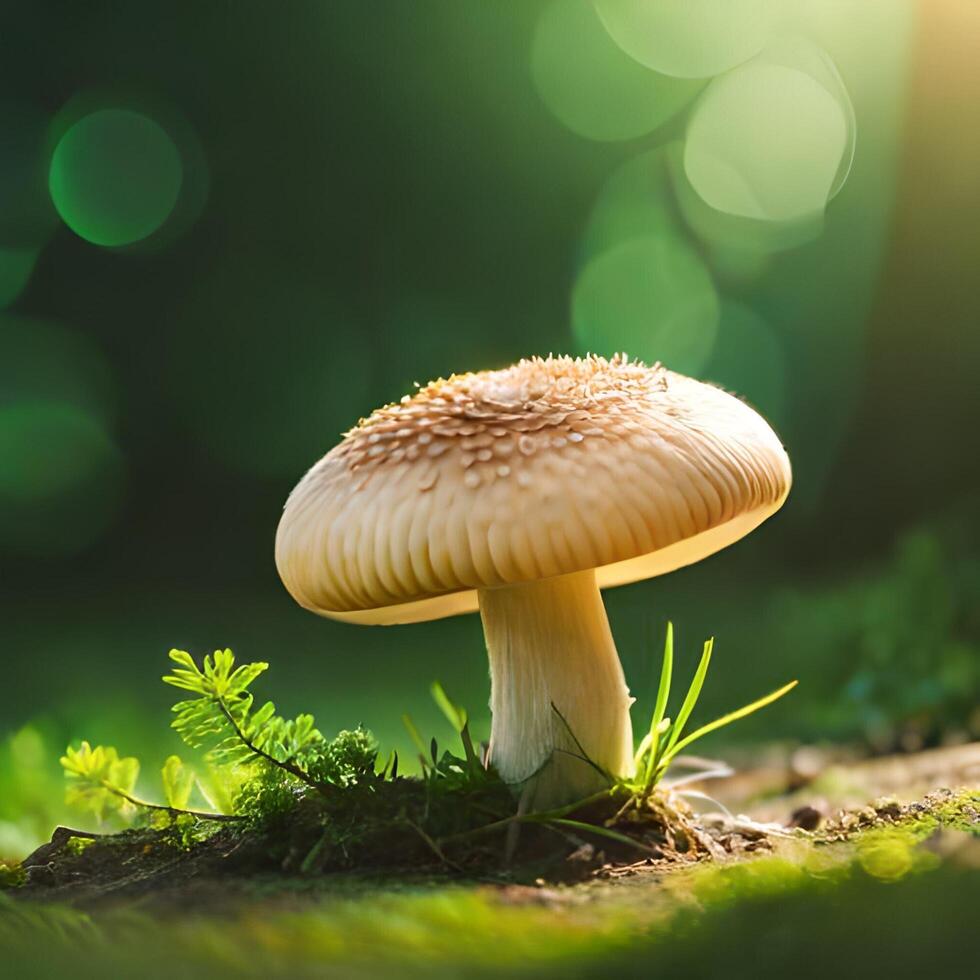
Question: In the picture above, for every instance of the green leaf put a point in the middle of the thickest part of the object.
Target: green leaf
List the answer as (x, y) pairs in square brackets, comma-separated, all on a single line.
[(99, 779), (183, 658), (263, 715), (413, 734), (220, 785), (663, 693), (244, 676), (729, 718), (123, 774), (186, 675), (693, 693), (455, 715), (178, 781)]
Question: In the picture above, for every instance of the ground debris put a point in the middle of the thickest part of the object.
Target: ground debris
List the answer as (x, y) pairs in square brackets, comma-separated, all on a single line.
[(887, 811)]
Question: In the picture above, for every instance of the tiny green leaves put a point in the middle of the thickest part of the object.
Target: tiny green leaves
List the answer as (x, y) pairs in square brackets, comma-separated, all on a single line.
[(222, 716), (178, 781), (12, 875), (217, 679), (348, 758), (99, 780)]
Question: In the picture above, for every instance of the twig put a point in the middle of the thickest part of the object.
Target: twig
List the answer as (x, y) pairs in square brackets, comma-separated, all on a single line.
[(175, 810), (527, 817), (432, 845), (631, 801)]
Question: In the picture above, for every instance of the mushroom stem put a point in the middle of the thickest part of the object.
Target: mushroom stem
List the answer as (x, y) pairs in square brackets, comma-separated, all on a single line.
[(549, 644)]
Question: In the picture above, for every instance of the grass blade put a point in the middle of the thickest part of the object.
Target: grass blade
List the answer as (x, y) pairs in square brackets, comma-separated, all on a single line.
[(663, 693), (455, 715), (458, 718), (674, 749), (693, 693), (641, 749), (591, 828), (413, 734)]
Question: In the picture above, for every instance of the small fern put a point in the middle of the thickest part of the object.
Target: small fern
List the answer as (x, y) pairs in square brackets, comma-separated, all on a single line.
[(259, 762), (222, 716), (101, 782)]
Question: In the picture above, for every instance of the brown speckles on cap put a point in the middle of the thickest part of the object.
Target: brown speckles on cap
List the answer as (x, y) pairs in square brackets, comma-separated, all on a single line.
[(621, 462), (526, 445), (540, 402)]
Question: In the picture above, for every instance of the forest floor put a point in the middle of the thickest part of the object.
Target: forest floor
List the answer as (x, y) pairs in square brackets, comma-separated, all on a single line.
[(813, 863)]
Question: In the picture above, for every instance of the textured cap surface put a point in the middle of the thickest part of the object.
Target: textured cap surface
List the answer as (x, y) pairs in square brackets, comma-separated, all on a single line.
[(547, 467)]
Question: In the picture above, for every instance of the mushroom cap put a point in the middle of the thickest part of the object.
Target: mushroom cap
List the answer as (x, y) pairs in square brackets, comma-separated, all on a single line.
[(547, 467)]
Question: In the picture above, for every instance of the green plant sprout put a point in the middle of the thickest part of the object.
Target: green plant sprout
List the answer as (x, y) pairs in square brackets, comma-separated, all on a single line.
[(663, 741), (265, 767)]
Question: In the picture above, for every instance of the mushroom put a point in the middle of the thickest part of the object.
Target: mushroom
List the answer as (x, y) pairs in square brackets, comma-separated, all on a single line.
[(522, 492)]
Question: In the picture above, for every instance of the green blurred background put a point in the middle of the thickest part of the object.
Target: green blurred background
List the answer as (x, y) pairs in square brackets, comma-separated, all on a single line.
[(227, 231)]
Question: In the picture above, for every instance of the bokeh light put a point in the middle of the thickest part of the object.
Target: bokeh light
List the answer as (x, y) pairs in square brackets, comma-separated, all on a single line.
[(61, 475), (16, 266), (738, 242), (195, 185), (738, 264), (46, 361), (588, 82), (651, 297), (268, 373), (802, 54), (689, 38), (60, 478), (766, 141), (749, 359), (635, 201), (115, 177)]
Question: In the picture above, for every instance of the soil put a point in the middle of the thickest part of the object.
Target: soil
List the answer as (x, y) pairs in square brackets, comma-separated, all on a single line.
[(152, 869)]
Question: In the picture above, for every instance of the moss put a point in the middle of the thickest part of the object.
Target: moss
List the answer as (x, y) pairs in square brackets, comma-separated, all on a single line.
[(78, 845), (810, 910), (12, 875)]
